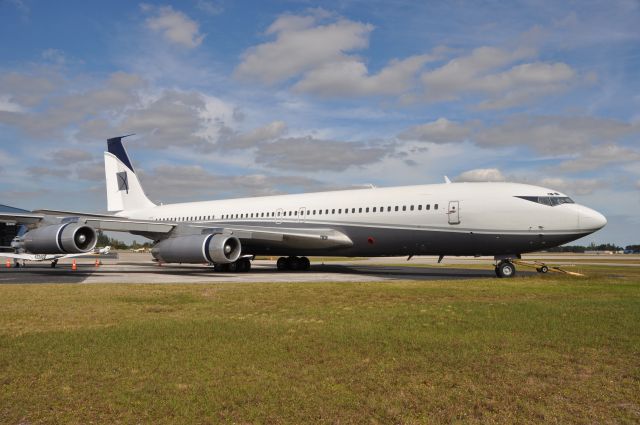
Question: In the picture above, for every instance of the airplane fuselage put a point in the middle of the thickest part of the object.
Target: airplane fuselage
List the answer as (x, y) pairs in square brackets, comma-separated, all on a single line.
[(440, 219)]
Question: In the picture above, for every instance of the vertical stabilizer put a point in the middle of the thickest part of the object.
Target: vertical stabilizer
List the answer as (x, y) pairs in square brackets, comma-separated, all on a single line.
[(124, 191)]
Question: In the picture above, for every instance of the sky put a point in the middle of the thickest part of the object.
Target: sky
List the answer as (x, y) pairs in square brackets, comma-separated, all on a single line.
[(240, 98)]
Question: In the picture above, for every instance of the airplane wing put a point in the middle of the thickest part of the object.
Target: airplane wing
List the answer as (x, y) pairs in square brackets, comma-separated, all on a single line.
[(309, 238), (20, 218), (30, 257)]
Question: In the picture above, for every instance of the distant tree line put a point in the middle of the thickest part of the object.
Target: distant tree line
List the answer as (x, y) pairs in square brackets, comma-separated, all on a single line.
[(594, 247), (104, 240)]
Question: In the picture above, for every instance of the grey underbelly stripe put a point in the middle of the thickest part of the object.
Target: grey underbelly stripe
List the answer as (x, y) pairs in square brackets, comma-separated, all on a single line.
[(417, 227)]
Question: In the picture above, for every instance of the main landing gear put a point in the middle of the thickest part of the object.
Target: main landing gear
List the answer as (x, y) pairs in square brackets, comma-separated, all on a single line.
[(293, 263), (242, 265), (505, 268)]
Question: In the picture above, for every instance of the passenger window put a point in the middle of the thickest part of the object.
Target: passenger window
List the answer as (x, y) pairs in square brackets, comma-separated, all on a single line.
[(389, 209), (374, 209), (319, 212), (396, 208), (367, 209), (359, 210), (404, 208), (435, 206), (333, 211), (411, 207), (353, 210), (308, 212), (420, 207), (339, 210), (346, 210), (326, 211), (314, 212)]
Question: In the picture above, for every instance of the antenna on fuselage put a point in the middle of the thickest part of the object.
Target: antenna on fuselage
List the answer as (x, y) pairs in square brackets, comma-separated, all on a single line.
[(446, 180)]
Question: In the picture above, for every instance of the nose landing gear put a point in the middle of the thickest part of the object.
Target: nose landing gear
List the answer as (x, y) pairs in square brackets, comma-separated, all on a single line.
[(505, 268)]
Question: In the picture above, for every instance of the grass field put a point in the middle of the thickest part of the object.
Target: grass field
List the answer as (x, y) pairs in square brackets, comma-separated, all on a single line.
[(546, 348)]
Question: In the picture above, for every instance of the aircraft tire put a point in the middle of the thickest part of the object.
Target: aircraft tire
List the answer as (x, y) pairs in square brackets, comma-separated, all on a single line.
[(294, 263), (244, 265), (282, 264), (305, 263), (506, 269)]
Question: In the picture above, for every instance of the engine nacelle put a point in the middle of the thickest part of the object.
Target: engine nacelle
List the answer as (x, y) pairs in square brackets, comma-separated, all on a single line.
[(217, 249), (65, 238)]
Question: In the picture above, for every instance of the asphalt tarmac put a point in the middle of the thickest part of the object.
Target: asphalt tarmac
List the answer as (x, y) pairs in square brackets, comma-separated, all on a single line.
[(138, 268), (262, 271)]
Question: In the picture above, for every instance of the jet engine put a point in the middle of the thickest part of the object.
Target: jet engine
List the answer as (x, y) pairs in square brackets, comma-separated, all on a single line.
[(216, 249), (65, 238)]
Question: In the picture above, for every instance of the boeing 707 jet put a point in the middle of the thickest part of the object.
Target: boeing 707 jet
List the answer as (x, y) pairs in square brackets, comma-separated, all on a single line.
[(503, 220)]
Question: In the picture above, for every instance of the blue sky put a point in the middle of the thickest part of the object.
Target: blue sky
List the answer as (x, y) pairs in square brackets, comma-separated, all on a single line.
[(240, 98)]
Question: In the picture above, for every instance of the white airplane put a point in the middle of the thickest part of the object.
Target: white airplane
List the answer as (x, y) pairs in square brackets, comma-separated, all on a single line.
[(54, 258), (503, 220)]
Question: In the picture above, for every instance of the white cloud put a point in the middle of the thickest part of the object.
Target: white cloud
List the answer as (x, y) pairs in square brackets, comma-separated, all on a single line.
[(7, 105), (26, 90), (175, 26), (481, 175), (309, 154), (482, 72), (569, 186), (174, 183), (301, 44), (439, 131), (59, 112), (578, 186), (554, 135), (210, 7), (173, 119), (55, 56), (351, 78), (253, 138), (598, 157)]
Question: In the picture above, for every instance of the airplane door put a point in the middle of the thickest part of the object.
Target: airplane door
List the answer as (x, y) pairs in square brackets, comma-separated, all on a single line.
[(279, 213), (454, 212), (302, 211)]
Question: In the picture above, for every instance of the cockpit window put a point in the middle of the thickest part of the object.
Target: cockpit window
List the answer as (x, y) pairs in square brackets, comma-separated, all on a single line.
[(552, 201)]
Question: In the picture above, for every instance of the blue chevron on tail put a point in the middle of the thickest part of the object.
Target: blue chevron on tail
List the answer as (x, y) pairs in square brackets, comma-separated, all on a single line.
[(124, 191)]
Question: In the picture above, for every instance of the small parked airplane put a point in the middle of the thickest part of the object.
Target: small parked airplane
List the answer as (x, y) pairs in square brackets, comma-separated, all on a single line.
[(503, 220), (54, 258)]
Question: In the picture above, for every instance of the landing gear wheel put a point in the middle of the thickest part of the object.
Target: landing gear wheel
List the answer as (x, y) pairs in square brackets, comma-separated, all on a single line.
[(305, 263), (232, 267), (244, 265), (221, 268), (505, 269), (542, 269), (294, 263), (282, 264)]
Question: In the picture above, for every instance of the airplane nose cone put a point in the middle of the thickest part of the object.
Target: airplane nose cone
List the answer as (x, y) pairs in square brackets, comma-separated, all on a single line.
[(591, 220)]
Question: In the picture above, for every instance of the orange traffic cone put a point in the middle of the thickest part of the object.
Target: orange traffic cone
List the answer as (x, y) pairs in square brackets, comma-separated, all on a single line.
[(8, 263), (74, 265)]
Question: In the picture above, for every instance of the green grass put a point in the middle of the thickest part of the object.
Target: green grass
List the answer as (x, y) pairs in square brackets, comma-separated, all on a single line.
[(550, 348)]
